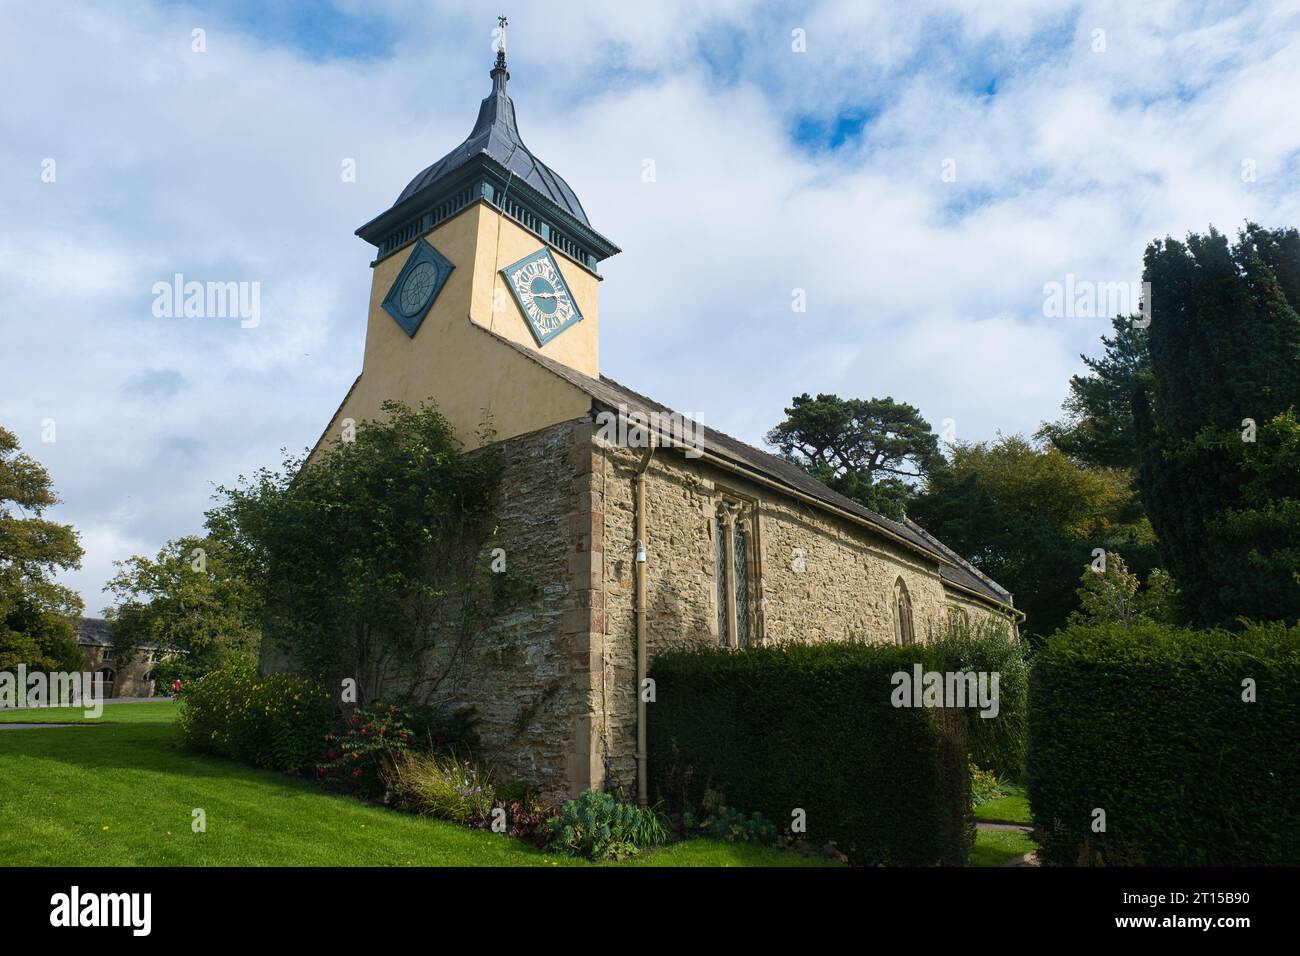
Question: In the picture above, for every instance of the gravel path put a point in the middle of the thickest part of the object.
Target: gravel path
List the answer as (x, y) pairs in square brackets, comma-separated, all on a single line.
[(88, 723)]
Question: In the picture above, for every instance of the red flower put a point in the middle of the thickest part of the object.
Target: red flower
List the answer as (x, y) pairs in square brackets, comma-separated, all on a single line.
[(357, 772)]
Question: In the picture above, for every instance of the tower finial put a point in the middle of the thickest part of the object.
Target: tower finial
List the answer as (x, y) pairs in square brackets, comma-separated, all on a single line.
[(502, 23)]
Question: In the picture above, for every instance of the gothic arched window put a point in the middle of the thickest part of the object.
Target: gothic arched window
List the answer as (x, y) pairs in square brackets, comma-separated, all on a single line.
[(731, 543), (904, 632)]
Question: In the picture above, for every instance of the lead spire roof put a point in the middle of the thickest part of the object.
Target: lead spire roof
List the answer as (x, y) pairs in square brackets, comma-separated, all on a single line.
[(496, 135)]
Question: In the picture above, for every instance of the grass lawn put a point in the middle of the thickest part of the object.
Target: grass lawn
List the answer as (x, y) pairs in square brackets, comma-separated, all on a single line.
[(148, 712), (996, 847), (121, 794), (1012, 808)]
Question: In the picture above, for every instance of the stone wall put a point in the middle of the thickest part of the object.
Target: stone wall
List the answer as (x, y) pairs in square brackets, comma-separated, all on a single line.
[(128, 679), (818, 577), (553, 681), (518, 674)]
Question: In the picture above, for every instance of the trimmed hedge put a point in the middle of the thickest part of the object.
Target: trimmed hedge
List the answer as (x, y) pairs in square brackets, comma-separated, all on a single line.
[(996, 743), (268, 720), (773, 729), (1148, 724)]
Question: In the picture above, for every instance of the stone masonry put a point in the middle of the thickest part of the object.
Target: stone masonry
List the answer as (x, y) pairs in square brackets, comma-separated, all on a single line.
[(553, 682)]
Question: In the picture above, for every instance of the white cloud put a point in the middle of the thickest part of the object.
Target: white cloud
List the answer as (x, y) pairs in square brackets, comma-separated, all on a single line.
[(225, 166)]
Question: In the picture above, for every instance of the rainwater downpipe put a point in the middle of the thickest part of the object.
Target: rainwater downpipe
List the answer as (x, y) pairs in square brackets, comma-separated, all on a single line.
[(642, 625)]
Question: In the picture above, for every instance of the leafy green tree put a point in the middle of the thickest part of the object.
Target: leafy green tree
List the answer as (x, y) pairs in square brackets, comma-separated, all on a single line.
[(371, 561), (874, 451), (1220, 464), (37, 615), (191, 601), (1160, 598), (1098, 425), (1114, 595), (1109, 596), (1030, 517)]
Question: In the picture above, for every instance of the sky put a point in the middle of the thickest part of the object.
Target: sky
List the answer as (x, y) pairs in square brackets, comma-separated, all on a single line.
[(916, 174)]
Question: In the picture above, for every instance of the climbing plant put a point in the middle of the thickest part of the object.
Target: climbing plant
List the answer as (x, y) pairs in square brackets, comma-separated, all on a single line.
[(372, 558)]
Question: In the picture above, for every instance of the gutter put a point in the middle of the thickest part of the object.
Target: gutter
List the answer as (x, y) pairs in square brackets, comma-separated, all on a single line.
[(642, 625)]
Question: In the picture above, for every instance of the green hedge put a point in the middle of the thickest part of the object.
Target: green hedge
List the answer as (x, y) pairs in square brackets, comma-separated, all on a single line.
[(1148, 724), (272, 720), (995, 743), (772, 729)]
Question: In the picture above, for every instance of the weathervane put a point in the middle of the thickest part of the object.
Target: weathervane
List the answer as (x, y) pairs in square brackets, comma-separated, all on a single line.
[(502, 22)]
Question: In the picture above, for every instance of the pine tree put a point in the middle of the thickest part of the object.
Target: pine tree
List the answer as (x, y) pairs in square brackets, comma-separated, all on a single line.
[(1219, 466), (1098, 424)]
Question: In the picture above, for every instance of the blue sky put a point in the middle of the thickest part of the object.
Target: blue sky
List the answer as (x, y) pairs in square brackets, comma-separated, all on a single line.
[(920, 170)]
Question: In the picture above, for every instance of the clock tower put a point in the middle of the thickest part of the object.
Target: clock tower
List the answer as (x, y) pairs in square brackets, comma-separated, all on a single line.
[(486, 255)]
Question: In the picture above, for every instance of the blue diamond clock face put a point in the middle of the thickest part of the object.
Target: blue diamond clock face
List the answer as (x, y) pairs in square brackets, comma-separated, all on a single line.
[(417, 286), (542, 294)]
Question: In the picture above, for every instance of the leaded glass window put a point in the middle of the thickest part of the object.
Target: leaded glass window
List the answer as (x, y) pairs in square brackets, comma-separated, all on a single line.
[(732, 565), (740, 549), (903, 629), (720, 576)]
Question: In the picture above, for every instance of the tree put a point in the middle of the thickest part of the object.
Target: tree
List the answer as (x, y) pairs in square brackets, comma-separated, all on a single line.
[(1030, 518), (874, 451), (369, 561), (1098, 425), (1215, 424), (1113, 595), (37, 615), (192, 601)]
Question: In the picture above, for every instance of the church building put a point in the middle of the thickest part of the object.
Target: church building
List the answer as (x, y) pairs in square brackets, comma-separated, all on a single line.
[(485, 301)]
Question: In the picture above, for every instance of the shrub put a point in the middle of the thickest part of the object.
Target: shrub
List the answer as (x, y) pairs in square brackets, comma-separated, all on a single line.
[(529, 821), (811, 727), (996, 743), (984, 786), (361, 749), (527, 816), (726, 823), (1148, 723), (272, 720), (446, 787), (597, 826)]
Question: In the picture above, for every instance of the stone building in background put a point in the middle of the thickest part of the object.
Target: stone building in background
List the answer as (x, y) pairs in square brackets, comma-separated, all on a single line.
[(134, 679), (485, 302)]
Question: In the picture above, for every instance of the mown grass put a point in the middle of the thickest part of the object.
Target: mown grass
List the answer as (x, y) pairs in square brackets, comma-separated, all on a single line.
[(123, 794), (146, 712), (1012, 808), (997, 847)]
